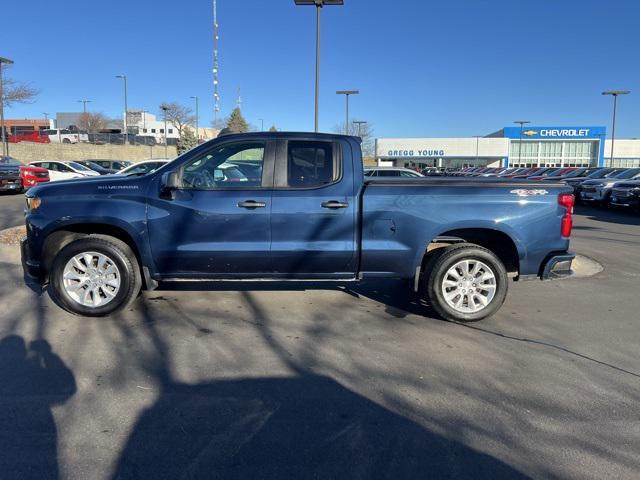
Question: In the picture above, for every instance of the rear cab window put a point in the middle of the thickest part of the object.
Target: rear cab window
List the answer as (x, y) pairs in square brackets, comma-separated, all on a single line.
[(312, 164)]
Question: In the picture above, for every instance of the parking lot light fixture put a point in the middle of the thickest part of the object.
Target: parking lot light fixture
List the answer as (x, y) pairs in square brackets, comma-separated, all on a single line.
[(5, 145), (347, 93), (359, 123), (318, 4), (614, 94), (522, 123)]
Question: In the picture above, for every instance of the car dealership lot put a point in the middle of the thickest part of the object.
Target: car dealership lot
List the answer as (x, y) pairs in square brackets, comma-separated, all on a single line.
[(258, 380)]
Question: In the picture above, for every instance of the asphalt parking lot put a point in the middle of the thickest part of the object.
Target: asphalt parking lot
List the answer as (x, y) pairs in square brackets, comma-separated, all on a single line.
[(264, 381)]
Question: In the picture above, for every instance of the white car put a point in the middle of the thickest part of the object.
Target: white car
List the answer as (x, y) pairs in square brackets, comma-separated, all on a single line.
[(142, 168), (65, 170), (391, 172), (62, 135)]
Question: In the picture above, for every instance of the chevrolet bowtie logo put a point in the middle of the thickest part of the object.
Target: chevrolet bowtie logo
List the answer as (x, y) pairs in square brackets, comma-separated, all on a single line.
[(530, 133)]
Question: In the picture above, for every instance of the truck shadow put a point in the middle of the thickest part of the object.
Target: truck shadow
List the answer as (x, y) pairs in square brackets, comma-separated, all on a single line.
[(397, 296), (304, 427)]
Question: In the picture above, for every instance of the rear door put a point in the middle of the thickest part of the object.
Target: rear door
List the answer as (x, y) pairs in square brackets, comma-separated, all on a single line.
[(313, 219), (217, 224)]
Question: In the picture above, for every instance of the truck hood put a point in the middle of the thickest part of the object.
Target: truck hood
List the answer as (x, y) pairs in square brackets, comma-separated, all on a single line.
[(107, 184)]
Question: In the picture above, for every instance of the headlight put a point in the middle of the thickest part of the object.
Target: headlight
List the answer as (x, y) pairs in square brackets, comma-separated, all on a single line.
[(33, 203)]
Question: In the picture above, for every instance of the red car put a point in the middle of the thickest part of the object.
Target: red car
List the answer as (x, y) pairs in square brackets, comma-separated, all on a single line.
[(32, 176), (28, 137)]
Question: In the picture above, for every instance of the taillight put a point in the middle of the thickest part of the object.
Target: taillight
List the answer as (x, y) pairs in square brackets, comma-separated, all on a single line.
[(567, 201)]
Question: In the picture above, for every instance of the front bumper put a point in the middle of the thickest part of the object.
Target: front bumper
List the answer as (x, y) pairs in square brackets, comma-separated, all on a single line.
[(10, 185), (625, 201), (592, 196), (558, 266), (33, 272)]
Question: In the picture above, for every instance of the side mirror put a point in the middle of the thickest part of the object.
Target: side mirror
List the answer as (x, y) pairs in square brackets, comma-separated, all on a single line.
[(170, 181)]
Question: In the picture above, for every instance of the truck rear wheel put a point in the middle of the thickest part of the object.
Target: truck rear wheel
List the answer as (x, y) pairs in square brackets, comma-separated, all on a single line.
[(95, 276), (465, 282)]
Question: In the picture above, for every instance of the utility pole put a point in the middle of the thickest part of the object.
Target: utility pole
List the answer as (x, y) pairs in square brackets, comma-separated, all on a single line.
[(197, 114), (84, 105), (5, 145), (164, 108), (216, 66), (126, 109)]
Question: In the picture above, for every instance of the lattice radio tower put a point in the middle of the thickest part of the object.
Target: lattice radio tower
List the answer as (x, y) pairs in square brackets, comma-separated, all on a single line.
[(216, 94)]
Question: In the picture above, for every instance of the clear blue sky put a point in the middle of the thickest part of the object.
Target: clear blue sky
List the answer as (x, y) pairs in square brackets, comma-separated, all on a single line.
[(424, 67)]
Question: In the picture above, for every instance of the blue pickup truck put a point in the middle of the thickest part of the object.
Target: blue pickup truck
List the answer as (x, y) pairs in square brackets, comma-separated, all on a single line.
[(292, 206)]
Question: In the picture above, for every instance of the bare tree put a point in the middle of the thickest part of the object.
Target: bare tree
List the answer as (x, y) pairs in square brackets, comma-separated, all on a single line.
[(178, 115), (362, 130), (15, 92), (93, 122)]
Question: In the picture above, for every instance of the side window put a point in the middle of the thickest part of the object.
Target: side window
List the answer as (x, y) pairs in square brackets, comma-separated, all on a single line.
[(64, 168), (388, 173), (409, 174), (237, 165), (310, 164)]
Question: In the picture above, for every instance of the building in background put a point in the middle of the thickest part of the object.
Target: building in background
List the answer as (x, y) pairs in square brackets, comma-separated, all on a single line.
[(540, 146), (25, 125)]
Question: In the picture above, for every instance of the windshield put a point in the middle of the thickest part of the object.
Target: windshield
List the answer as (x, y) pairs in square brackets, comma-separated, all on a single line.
[(601, 173), (575, 173), (9, 161), (79, 167), (632, 172)]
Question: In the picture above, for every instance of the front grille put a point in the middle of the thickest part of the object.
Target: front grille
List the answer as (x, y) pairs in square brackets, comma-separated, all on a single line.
[(620, 193), (588, 189), (9, 173)]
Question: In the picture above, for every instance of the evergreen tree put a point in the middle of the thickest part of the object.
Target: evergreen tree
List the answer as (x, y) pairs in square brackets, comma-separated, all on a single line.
[(273, 128), (236, 122), (187, 141)]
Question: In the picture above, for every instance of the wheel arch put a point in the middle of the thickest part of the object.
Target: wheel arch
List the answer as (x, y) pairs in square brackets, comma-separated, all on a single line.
[(57, 239)]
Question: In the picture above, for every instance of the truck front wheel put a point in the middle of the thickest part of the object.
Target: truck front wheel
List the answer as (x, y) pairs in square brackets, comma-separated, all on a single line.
[(465, 282), (94, 276)]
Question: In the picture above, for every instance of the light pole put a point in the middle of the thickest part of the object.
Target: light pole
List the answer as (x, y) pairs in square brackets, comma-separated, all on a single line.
[(522, 123), (346, 94), (614, 94), (126, 109), (318, 4), (195, 97), (359, 123), (5, 145), (164, 108), (84, 105), (261, 124)]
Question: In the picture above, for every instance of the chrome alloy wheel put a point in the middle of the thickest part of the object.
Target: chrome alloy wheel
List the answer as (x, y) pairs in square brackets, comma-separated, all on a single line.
[(469, 286), (92, 279)]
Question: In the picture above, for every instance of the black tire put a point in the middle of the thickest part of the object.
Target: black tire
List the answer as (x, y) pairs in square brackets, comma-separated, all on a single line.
[(445, 258), (122, 256), (66, 140)]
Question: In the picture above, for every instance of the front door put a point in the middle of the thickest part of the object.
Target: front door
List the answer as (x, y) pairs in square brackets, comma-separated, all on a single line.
[(217, 224), (313, 219)]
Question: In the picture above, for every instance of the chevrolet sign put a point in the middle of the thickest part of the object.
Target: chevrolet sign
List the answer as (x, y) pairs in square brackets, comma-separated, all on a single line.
[(555, 132)]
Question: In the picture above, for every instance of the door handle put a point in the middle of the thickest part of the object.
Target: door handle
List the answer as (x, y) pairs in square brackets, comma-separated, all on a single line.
[(334, 204), (250, 204)]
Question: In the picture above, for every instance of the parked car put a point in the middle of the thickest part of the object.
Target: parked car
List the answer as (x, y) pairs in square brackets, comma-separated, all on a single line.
[(576, 182), (32, 176), (10, 180), (111, 164), (312, 216), (32, 136), (391, 172), (142, 168), (65, 170), (61, 135), (599, 191), (95, 167), (626, 194)]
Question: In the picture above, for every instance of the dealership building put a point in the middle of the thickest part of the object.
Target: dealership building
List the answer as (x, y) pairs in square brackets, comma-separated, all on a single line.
[(532, 146)]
